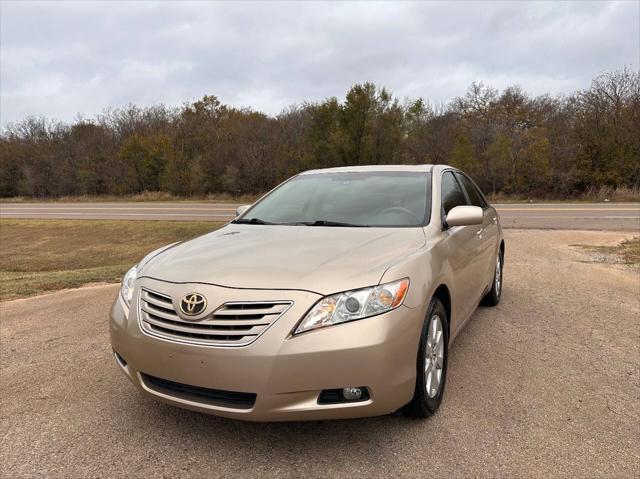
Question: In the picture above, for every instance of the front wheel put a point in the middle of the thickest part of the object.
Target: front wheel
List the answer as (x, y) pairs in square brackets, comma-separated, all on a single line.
[(492, 298), (431, 364)]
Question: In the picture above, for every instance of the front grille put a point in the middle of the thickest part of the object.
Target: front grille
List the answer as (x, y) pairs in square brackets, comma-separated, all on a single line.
[(232, 324), (214, 397)]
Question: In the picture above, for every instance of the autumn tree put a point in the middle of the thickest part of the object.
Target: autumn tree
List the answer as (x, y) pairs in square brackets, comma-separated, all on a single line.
[(508, 141)]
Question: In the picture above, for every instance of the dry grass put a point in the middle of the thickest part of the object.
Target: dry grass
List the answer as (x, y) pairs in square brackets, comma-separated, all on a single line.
[(599, 194), (605, 193), (630, 251), (47, 255), (141, 197), (592, 195)]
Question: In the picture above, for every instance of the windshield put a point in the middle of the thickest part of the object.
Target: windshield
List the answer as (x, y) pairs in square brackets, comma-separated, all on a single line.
[(347, 199)]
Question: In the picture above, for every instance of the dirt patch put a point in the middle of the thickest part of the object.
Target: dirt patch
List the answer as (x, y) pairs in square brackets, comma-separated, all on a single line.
[(625, 252)]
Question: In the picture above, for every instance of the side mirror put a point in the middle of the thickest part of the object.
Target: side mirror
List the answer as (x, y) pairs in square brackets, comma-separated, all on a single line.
[(241, 209), (464, 216)]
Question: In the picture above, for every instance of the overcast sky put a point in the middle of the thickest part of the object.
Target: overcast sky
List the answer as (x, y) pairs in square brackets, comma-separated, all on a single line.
[(60, 59)]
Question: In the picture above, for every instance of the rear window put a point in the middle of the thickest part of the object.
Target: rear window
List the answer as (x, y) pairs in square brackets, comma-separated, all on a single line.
[(474, 195)]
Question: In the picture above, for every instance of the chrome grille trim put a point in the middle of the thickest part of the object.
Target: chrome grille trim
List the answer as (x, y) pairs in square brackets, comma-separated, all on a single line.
[(234, 324)]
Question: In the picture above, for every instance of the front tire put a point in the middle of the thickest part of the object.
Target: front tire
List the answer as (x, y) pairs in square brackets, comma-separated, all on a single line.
[(492, 298), (431, 365)]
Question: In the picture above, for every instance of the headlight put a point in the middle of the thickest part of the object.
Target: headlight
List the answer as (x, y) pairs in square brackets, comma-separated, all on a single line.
[(126, 290), (353, 305)]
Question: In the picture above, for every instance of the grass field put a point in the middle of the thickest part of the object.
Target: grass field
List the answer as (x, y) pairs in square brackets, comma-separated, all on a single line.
[(37, 256), (147, 196)]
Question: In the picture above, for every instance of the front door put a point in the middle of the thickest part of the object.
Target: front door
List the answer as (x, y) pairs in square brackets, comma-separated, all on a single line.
[(489, 236), (464, 244)]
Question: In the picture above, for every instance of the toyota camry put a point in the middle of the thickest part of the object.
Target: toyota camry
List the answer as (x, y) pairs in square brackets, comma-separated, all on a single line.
[(336, 295)]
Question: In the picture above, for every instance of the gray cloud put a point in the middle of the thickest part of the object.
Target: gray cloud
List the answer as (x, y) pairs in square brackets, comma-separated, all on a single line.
[(59, 59)]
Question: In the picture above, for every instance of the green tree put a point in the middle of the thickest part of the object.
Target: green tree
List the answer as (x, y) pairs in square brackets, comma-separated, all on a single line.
[(463, 156), (536, 164), (508, 141), (147, 156), (499, 155)]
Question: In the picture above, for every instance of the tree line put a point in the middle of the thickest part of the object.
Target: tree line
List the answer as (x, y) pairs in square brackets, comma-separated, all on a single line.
[(509, 141)]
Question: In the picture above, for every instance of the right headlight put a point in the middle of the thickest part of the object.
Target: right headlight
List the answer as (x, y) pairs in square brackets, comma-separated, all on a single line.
[(128, 284), (353, 305)]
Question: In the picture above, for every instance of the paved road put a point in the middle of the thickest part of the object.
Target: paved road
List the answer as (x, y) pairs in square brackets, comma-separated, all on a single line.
[(564, 216), (600, 216), (544, 385), (121, 211)]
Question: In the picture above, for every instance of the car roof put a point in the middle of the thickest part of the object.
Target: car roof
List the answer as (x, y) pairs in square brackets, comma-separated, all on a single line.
[(354, 169)]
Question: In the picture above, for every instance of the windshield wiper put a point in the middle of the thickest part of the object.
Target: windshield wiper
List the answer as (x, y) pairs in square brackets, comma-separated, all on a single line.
[(252, 221), (258, 221), (331, 223)]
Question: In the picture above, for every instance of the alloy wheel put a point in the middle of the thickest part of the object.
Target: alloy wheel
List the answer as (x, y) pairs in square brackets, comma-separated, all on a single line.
[(498, 278), (434, 357)]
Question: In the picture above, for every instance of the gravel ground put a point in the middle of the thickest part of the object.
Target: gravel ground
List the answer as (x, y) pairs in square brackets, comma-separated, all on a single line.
[(545, 385)]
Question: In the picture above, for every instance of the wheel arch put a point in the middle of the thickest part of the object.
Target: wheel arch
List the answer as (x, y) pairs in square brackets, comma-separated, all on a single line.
[(442, 293)]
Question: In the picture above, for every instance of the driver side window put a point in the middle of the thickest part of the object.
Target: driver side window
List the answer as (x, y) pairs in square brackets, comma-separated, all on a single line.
[(452, 194)]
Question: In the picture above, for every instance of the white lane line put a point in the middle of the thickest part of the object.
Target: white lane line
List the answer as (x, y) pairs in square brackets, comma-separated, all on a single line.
[(65, 208), (569, 209), (2, 213), (533, 217), (567, 205), (153, 208), (233, 215)]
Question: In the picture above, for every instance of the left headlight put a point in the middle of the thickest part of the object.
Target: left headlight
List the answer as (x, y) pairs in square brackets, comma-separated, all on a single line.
[(128, 283), (353, 305)]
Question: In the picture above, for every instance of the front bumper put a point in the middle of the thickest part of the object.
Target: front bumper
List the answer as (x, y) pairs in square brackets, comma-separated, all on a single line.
[(285, 373)]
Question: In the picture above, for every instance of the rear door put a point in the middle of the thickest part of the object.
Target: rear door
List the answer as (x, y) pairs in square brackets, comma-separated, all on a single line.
[(489, 237)]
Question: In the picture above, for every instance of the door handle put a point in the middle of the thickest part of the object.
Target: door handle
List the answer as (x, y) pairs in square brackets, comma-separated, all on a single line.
[(479, 233)]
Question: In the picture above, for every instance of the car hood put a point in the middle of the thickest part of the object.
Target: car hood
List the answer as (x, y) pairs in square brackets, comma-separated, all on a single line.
[(323, 260)]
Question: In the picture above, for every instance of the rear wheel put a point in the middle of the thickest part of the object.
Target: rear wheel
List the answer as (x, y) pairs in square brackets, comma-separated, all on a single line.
[(431, 364), (492, 298)]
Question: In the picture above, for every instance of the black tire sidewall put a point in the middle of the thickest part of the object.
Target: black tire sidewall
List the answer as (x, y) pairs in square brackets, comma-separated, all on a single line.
[(432, 404)]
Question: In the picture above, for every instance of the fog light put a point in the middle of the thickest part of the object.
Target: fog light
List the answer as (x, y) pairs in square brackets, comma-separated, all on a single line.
[(352, 394)]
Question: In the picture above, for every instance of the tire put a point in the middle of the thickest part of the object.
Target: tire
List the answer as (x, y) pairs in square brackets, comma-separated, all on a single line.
[(492, 298), (426, 402)]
